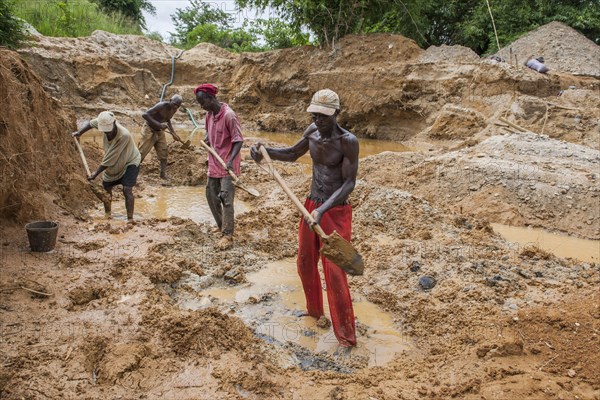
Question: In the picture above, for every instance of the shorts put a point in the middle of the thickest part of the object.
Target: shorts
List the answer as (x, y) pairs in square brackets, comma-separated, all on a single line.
[(128, 179), (150, 139)]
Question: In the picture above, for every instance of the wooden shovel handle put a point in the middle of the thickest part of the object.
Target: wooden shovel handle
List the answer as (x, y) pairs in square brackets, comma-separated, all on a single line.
[(291, 194), (513, 125), (85, 164), (220, 160)]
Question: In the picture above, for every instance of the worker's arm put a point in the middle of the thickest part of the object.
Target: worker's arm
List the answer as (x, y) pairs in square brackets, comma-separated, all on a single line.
[(86, 127), (97, 172), (149, 117)]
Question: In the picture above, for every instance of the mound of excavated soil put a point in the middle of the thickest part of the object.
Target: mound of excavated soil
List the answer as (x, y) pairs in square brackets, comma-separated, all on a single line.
[(563, 48), (40, 165), (449, 54), (517, 179)]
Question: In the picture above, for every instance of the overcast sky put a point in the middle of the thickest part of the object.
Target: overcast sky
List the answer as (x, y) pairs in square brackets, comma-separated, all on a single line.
[(161, 22)]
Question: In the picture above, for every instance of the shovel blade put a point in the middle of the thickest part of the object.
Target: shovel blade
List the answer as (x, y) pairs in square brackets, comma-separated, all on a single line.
[(341, 252), (252, 191)]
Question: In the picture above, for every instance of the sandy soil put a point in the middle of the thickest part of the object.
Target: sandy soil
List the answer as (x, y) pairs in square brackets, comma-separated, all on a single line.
[(121, 310)]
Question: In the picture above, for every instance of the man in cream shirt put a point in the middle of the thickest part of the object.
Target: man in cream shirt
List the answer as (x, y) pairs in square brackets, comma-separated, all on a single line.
[(120, 165)]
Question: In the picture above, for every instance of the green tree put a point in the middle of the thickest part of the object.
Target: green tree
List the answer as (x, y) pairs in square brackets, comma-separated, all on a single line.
[(129, 8), (197, 14), (155, 36), (11, 31), (236, 40), (327, 19), (429, 22), (278, 34)]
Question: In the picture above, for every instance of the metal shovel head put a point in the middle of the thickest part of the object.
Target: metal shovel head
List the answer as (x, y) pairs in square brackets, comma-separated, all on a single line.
[(252, 191), (341, 252)]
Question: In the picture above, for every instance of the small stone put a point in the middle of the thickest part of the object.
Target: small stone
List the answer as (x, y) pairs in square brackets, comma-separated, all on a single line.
[(427, 282), (415, 266), (323, 322), (571, 373)]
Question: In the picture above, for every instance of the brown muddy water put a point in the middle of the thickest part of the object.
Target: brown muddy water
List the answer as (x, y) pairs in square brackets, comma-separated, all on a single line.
[(188, 202), (558, 244), (272, 302), (368, 147)]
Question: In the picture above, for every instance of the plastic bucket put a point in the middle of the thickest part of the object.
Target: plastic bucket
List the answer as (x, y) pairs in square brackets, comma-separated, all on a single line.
[(42, 235)]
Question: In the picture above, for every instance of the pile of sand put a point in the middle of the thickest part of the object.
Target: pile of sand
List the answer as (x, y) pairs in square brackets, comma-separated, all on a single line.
[(40, 165), (449, 54), (563, 48)]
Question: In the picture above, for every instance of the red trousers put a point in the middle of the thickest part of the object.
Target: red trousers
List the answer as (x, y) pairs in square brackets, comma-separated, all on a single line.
[(338, 218)]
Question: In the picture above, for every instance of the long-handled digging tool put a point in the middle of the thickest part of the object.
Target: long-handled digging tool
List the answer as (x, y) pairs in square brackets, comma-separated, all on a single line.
[(98, 192), (335, 247), (185, 145), (236, 181)]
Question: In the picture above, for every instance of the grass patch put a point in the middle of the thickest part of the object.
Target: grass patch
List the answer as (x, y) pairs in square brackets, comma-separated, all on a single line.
[(72, 18)]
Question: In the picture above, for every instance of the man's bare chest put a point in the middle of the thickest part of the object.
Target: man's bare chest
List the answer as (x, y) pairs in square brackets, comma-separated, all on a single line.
[(328, 153)]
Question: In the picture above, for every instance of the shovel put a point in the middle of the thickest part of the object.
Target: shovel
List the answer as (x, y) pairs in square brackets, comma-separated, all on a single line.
[(98, 192), (185, 145), (236, 180), (337, 249)]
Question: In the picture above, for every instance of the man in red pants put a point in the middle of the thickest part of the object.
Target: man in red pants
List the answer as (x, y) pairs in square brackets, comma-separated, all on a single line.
[(334, 152)]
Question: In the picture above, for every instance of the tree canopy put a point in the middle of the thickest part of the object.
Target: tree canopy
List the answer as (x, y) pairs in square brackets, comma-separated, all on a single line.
[(463, 22), (129, 8), (203, 22)]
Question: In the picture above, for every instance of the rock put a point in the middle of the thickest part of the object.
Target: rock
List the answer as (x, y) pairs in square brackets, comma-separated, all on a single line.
[(427, 282), (323, 322), (235, 275), (571, 373), (415, 266)]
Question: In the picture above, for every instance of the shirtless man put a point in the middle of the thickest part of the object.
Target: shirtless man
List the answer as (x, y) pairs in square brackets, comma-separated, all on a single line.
[(158, 118), (334, 152)]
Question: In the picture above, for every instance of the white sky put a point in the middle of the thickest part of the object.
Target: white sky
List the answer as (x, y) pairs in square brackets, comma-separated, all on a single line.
[(161, 22)]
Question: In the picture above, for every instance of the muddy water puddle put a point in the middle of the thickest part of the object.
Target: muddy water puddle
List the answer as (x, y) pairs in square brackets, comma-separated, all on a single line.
[(187, 202), (368, 147), (560, 245), (272, 304)]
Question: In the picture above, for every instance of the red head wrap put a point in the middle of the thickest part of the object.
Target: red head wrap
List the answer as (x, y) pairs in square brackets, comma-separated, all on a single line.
[(208, 88)]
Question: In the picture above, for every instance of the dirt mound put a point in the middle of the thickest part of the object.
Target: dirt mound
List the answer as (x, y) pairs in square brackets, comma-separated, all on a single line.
[(563, 48), (40, 165), (204, 333), (389, 87), (456, 123), (449, 54), (518, 179)]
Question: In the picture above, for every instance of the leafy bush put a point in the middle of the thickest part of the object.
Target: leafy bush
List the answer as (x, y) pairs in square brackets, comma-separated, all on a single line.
[(11, 33)]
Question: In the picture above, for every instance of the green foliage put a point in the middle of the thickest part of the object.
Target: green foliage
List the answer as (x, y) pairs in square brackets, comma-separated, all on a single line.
[(327, 20), (72, 18), (155, 36), (429, 22), (131, 9), (236, 40), (197, 14), (279, 35), (11, 33)]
